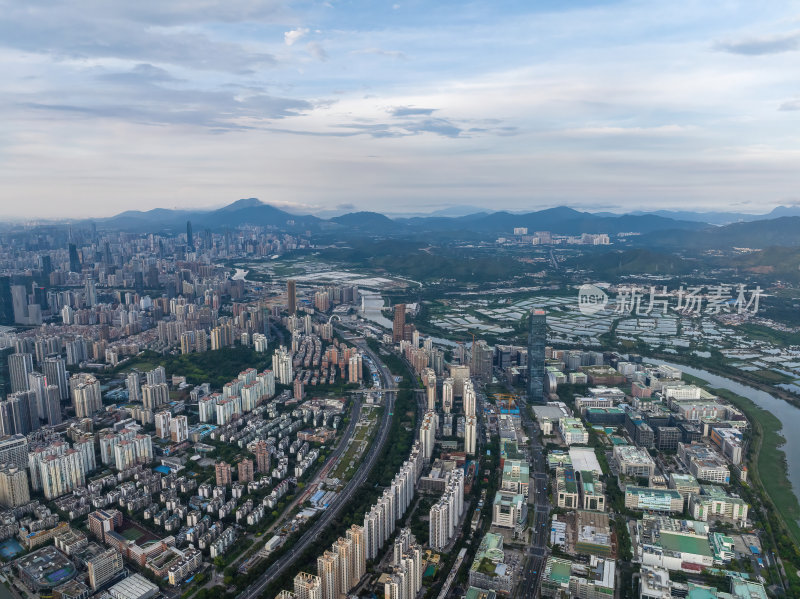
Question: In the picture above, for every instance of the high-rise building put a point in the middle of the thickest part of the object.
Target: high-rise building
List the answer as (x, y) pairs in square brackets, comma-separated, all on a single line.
[(245, 471), (343, 548), (189, 236), (427, 433), (133, 385), (307, 586), (223, 473), (162, 420), (179, 429), (469, 398), (262, 457), (14, 450), (37, 383), (470, 434), (90, 292), (359, 553), (74, 261), (6, 302), (155, 396), (13, 486), (399, 325), (291, 296), (19, 367), (447, 395), (282, 366), (459, 374), (482, 361), (429, 380), (537, 338), (52, 405), (328, 572), (86, 396), (55, 370)]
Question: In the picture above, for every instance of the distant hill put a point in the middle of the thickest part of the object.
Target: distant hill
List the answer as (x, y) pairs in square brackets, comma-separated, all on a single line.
[(724, 218), (369, 222), (633, 262), (783, 231), (657, 230)]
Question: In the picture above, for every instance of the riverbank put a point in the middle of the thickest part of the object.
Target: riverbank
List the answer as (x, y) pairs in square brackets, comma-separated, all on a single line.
[(767, 464)]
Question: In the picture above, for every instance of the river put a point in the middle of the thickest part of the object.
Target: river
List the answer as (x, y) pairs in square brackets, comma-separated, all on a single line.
[(372, 305), (788, 414)]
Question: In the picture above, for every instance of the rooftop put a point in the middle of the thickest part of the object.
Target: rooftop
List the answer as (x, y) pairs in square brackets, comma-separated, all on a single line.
[(680, 543)]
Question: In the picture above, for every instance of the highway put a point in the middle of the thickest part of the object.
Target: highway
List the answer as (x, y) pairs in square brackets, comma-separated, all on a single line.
[(536, 552), (343, 498)]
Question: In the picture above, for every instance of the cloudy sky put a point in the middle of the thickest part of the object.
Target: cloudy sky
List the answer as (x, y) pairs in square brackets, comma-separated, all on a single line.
[(406, 106)]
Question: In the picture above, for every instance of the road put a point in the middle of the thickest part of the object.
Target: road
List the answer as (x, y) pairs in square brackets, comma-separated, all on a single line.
[(536, 552), (355, 414), (343, 498)]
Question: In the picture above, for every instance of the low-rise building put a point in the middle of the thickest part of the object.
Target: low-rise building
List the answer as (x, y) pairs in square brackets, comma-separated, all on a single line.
[(713, 503), (655, 500)]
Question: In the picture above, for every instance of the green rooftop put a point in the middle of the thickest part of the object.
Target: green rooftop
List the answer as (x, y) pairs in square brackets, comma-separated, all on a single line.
[(558, 570), (685, 543), (476, 593)]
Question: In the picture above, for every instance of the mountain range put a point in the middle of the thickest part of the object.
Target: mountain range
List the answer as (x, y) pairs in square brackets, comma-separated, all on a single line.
[(659, 228)]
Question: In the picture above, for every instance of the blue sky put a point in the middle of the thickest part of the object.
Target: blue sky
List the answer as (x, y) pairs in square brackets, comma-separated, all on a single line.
[(404, 106)]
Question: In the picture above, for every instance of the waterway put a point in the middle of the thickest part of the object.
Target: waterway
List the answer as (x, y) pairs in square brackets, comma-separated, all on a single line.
[(788, 414), (372, 305)]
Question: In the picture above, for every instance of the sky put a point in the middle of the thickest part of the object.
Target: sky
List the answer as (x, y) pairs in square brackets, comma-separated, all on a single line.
[(398, 107)]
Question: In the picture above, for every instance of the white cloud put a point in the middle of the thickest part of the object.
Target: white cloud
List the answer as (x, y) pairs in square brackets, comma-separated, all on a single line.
[(290, 37)]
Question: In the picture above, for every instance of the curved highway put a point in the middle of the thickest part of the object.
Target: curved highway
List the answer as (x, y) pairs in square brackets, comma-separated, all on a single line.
[(343, 498)]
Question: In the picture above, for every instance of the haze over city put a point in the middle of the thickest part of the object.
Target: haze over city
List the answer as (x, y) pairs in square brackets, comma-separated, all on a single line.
[(404, 107)]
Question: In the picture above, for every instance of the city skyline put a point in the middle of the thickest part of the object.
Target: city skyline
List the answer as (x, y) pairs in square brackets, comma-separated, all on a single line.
[(325, 106)]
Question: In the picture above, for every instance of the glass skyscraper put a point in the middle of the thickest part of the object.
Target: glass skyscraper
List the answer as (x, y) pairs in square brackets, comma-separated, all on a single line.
[(537, 337)]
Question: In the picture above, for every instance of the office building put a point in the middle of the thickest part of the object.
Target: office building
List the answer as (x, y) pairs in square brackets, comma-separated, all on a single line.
[(537, 338)]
